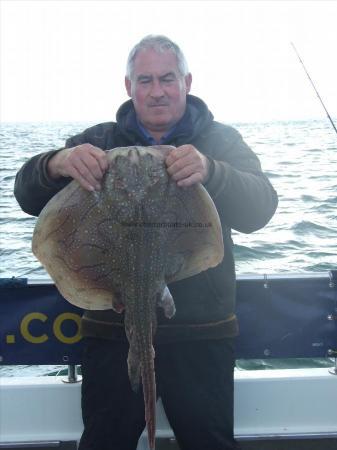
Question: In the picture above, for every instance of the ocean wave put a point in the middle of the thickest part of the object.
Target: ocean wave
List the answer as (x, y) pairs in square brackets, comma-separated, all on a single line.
[(306, 226), (243, 252), (332, 199), (290, 153), (13, 218), (309, 198), (273, 174), (8, 178), (322, 267), (323, 208)]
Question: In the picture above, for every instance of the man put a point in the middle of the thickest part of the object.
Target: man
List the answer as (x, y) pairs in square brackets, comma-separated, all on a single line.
[(194, 350)]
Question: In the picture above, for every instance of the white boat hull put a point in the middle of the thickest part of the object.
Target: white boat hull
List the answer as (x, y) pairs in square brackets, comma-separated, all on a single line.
[(269, 404)]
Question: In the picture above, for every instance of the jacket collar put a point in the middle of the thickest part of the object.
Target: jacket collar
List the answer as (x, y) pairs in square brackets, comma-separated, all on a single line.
[(195, 119)]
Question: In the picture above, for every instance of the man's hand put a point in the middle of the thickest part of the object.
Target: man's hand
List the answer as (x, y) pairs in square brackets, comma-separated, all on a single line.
[(84, 163), (187, 166)]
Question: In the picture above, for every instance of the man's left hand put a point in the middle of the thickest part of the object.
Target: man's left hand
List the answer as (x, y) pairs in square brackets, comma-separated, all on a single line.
[(187, 166)]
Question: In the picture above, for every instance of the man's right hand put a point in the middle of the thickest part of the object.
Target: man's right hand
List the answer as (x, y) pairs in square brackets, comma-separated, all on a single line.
[(84, 163)]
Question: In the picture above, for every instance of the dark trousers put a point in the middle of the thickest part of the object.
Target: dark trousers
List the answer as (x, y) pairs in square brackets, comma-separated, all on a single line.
[(194, 380)]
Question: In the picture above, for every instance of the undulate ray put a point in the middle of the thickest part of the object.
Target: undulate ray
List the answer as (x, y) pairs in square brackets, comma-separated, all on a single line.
[(119, 248)]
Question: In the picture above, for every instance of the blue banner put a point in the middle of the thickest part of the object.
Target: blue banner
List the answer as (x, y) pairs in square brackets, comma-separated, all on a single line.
[(38, 326), (287, 318), (279, 318)]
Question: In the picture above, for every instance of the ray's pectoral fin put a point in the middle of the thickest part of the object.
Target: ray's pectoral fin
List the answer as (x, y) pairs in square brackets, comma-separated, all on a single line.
[(174, 265), (165, 301)]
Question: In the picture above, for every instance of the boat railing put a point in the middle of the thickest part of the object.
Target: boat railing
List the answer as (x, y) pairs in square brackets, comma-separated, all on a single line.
[(280, 316)]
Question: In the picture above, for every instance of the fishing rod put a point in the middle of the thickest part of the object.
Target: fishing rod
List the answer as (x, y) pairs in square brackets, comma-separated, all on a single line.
[(312, 83)]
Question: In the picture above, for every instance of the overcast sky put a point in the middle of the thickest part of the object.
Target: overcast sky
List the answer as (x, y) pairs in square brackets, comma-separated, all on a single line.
[(65, 60)]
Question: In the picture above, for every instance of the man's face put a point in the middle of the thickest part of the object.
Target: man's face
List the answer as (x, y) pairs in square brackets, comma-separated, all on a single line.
[(158, 90)]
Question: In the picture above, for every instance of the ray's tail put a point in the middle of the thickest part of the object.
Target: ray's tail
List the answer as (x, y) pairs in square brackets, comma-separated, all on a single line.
[(149, 392), (141, 368)]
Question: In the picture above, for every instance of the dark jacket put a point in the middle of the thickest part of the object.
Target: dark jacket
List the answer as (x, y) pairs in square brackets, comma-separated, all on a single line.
[(244, 197)]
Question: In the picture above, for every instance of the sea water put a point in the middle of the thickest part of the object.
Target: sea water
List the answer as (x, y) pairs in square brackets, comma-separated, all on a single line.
[(299, 157)]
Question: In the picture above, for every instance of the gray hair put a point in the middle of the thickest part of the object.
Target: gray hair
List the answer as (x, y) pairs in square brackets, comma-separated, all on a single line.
[(160, 44)]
